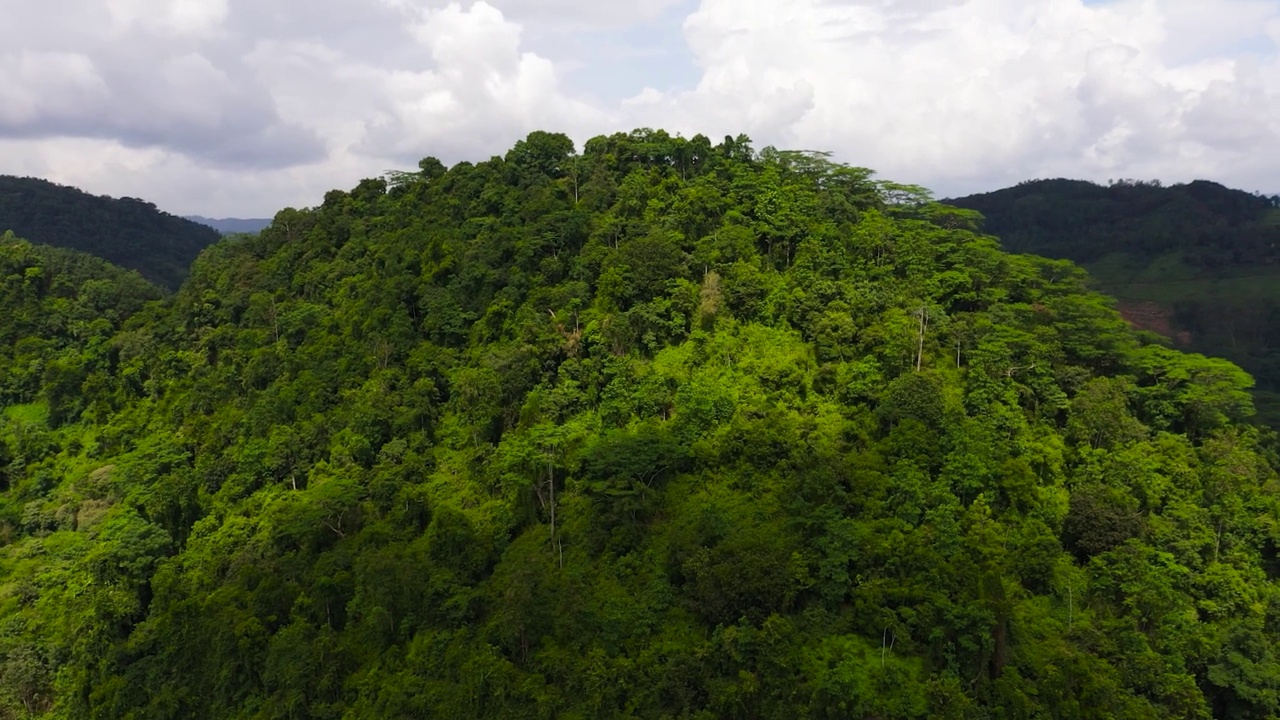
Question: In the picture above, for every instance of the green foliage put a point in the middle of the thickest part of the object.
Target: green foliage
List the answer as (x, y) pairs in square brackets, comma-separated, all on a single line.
[(127, 232), (661, 429), (1099, 519), (1141, 218), (1195, 262), (59, 310)]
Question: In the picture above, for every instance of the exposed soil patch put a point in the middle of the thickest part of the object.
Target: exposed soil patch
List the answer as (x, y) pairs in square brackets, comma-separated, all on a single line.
[(1154, 317)]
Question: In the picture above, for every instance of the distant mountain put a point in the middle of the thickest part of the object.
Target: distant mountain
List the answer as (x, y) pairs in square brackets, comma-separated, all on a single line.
[(231, 226), (1197, 262), (128, 232), (1209, 225)]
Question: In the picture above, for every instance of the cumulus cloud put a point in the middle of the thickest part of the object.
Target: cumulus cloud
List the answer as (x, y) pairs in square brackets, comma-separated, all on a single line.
[(183, 17), (964, 94), (146, 74), (481, 89), (462, 86), (584, 14), (250, 92), (244, 106)]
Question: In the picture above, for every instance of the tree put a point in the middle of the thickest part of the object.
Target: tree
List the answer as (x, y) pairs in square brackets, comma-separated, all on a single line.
[(541, 153), (661, 430)]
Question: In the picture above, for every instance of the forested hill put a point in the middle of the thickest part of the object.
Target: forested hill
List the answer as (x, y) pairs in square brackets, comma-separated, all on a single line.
[(61, 309), (661, 429), (1198, 262), (1210, 225), (231, 226), (127, 232)]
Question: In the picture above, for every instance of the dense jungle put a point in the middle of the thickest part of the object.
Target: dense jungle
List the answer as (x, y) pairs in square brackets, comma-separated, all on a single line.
[(661, 428)]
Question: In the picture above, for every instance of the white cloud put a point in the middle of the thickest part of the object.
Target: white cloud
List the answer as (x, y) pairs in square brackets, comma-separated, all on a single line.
[(184, 17), (232, 120), (244, 106), (148, 74), (481, 93), (464, 88), (37, 84), (584, 14), (963, 94)]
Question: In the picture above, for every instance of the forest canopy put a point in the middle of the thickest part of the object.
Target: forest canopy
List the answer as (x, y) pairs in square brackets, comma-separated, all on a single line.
[(658, 429), (128, 232), (1203, 259), (1215, 225)]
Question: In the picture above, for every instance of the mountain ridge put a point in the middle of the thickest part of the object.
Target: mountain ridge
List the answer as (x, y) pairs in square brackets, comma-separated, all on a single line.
[(1206, 255), (231, 226), (127, 232)]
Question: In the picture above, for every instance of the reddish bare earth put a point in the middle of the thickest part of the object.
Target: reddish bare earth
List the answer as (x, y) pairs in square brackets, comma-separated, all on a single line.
[(1154, 317)]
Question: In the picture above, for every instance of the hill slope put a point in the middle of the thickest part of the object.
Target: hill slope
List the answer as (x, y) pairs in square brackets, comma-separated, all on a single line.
[(61, 309), (664, 429), (1198, 262), (232, 226), (127, 232)]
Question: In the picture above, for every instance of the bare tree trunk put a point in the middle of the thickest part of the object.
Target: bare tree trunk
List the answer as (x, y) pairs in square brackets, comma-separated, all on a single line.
[(275, 318), (551, 509), (924, 326)]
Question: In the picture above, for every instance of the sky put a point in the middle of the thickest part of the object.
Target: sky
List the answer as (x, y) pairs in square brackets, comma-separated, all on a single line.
[(243, 107)]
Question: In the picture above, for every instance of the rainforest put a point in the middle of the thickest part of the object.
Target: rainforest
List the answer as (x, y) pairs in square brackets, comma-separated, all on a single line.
[(661, 428)]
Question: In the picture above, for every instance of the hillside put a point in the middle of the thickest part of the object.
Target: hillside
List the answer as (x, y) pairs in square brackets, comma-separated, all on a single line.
[(1199, 262), (61, 310), (127, 232), (232, 226), (661, 429)]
